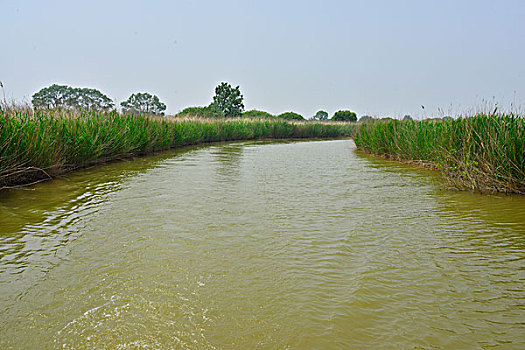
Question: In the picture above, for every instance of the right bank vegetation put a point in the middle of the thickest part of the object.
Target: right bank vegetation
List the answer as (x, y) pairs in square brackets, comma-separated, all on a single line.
[(485, 152)]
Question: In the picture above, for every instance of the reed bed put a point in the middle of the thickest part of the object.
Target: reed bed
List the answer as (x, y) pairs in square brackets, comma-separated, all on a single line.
[(481, 153), (35, 146)]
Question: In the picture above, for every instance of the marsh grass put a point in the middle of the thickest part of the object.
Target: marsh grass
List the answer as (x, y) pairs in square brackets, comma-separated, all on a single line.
[(35, 146), (482, 152)]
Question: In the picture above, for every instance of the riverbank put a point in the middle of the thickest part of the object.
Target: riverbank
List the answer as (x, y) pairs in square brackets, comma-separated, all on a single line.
[(42, 145), (480, 153)]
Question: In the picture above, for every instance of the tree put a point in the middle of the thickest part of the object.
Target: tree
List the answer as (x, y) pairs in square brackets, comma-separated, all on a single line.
[(63, 96), (257, 114), (200, 112), (407, 117), (54, 96), (90, 99), (345, 116), (227, 100), (321, 115), (290, 116), (365, 118), (143, 103)]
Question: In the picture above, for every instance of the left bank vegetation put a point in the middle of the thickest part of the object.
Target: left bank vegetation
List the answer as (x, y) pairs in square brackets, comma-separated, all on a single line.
[(36, 145)]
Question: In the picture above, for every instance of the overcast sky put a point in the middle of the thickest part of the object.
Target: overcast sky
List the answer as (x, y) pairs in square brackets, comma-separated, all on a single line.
[(383, 58)]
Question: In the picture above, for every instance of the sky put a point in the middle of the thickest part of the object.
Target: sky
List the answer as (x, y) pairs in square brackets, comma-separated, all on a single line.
[(380, 58)]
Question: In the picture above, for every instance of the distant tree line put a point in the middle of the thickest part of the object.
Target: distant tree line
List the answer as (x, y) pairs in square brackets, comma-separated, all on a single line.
[(67, 97), (228, 101)]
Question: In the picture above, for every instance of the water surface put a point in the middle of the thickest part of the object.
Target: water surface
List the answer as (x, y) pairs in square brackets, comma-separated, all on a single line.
[(270, 245)]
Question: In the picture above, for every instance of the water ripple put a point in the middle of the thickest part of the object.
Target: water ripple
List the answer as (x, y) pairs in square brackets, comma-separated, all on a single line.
[(257, 245)]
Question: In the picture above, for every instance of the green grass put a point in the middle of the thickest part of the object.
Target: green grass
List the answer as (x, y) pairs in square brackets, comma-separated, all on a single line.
[(483, 152), (40, 145)]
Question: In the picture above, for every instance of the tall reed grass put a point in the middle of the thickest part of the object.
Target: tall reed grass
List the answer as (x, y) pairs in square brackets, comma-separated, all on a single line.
[(482, 152), (43, 144)]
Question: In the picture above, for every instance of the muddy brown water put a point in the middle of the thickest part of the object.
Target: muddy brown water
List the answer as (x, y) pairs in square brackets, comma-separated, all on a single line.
[(260, 245)]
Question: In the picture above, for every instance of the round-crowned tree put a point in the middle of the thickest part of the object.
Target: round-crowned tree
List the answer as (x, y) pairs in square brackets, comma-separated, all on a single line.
[(228, 100), (199, 112), (290, 116), (90, 99), (54, 96), (63, 96), (344, 116), (321, 115), (365, 118), (257, 114), (144, 103)]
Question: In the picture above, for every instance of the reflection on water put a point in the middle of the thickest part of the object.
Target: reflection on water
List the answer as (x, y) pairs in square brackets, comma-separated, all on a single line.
[(228, 159), (260, 245)]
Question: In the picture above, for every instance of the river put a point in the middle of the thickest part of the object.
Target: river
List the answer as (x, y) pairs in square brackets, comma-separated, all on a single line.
[(260, 245)]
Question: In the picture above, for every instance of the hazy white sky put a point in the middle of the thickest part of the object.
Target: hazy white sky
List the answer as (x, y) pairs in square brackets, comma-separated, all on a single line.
[(384, 58)]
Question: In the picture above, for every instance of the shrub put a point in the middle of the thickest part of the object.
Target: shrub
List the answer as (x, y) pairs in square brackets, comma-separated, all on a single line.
[(291, 116), (200, 112), (365, 118), (257, 114), (321, 116), (345, 116)]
